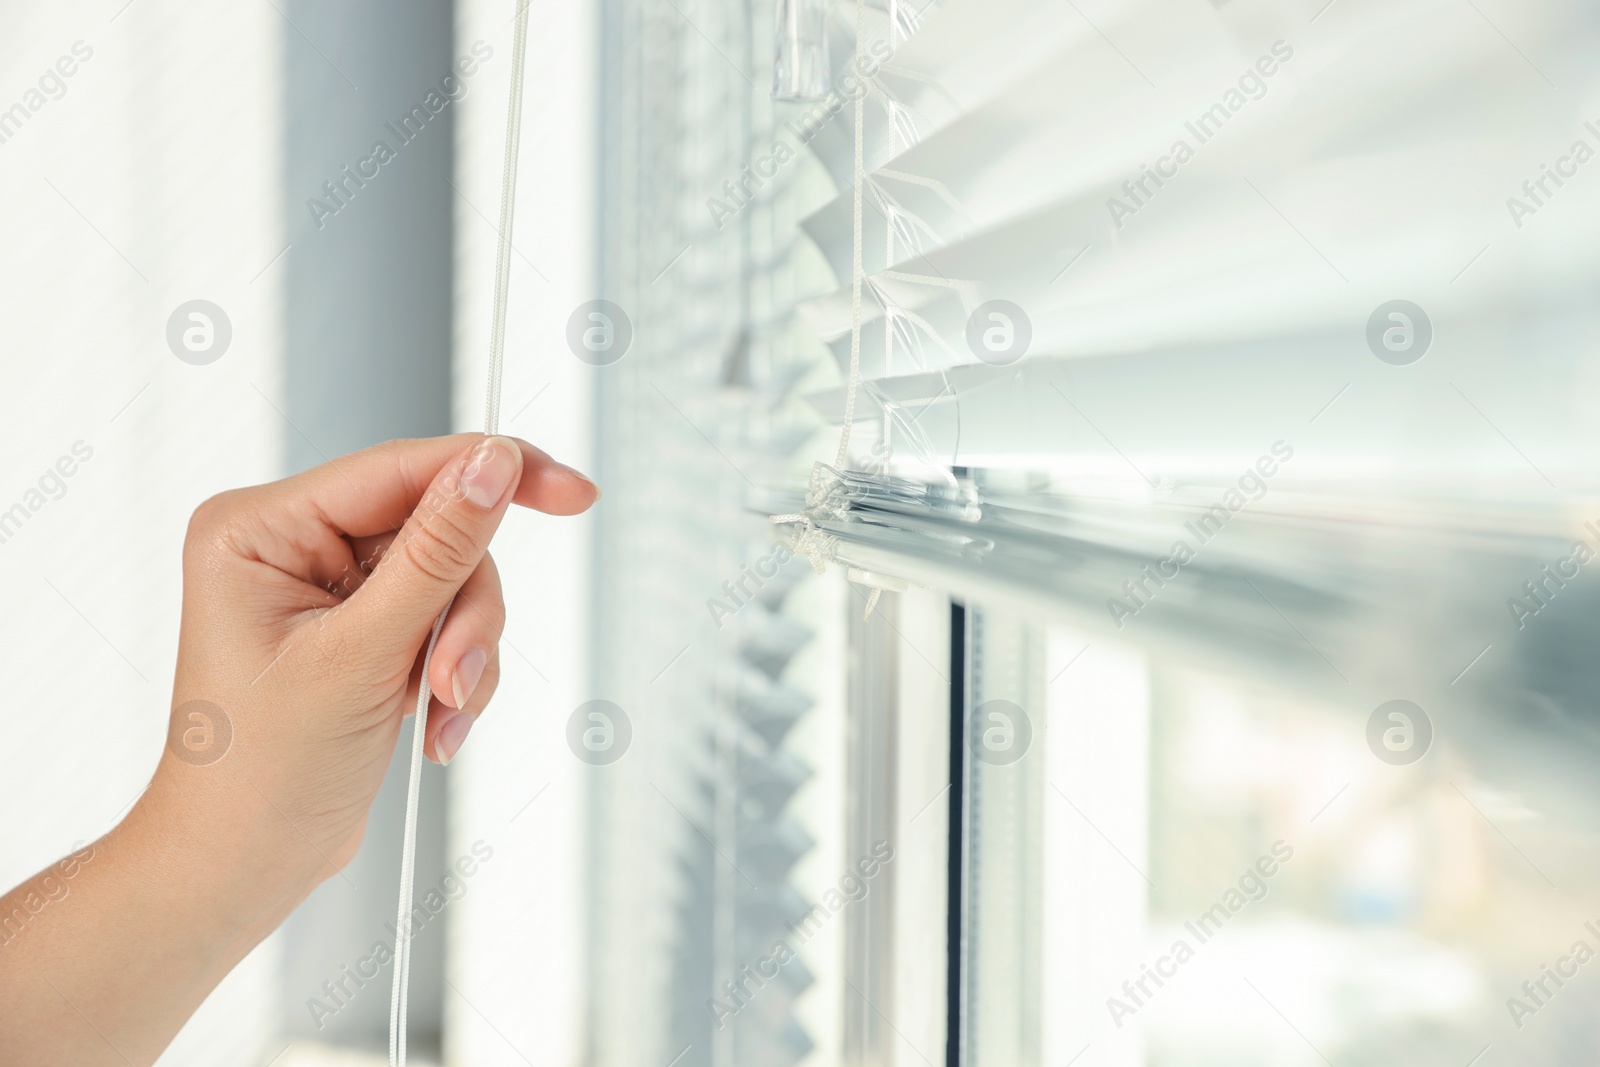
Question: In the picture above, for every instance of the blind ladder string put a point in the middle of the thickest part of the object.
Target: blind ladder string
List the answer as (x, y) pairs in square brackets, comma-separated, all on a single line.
[(399, 994), (809, 540), (856, 271)]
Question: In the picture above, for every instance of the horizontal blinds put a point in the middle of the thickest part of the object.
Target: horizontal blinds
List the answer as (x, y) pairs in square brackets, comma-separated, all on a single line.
[(720, 826), (1210, 447), (1192, 323)]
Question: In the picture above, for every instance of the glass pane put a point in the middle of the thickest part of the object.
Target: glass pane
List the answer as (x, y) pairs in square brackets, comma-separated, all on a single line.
[(1189, 868)]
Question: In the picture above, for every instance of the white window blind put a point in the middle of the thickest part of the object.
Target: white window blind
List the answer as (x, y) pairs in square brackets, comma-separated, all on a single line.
[(1194, 334), (1211, 359), (1301, 418), (1242, 285)]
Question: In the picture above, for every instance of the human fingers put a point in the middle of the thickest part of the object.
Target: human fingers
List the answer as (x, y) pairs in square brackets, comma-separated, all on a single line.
[(448, 728), (438, 548), (470, 636), (374, 491)]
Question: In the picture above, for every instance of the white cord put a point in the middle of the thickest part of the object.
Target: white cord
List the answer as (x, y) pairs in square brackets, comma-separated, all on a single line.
[(508, 204), (399, 993)]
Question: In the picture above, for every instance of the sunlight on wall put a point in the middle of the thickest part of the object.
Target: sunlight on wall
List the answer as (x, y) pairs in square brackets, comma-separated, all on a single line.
[(145, 179)]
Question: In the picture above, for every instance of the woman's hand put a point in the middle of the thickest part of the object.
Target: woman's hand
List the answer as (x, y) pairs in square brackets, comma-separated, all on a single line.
[(307, 605)]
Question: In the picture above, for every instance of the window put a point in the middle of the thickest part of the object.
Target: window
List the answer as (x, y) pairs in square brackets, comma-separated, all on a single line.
[(1196, 665), (1215, 373)]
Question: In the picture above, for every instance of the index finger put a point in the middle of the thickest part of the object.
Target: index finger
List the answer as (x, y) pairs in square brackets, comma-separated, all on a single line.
[(375, 490)]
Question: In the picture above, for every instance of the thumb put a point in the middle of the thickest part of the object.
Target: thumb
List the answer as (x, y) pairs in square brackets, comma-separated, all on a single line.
[(439, 546)]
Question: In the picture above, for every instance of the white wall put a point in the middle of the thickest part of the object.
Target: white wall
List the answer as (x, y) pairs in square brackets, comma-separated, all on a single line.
[(153, 180)]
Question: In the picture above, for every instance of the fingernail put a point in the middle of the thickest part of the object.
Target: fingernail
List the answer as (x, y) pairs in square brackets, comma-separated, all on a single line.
[(451, 735), (489, 472), (468, 671)]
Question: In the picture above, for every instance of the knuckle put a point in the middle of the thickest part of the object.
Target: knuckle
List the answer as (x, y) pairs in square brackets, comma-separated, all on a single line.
[(209, 513), (217, 521), (441, 549)]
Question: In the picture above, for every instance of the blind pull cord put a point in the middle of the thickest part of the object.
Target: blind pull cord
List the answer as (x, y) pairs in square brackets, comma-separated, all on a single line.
[(399, 994)]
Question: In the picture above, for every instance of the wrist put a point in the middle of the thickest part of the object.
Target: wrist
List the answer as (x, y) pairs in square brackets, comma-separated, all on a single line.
[(229, 861), (136, 929)]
